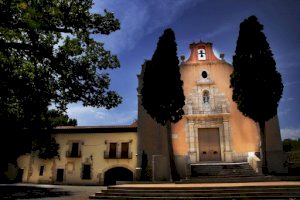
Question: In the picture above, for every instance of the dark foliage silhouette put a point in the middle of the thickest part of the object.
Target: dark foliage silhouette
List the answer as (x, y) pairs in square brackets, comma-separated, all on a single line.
[(144, 165), (58, 118), (291, 145), (162, 93), (47, 56), (257, 86)]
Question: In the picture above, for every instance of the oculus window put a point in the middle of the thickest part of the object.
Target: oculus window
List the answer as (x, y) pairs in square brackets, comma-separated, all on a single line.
[(204, 74)]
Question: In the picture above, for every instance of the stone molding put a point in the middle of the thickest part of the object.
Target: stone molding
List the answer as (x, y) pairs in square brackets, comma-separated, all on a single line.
[(212, 114)]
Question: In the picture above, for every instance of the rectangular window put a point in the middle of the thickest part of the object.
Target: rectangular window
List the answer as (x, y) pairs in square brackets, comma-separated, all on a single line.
[(112, 150), (75, 149), (42, 168), (86, 171), (124, 150)]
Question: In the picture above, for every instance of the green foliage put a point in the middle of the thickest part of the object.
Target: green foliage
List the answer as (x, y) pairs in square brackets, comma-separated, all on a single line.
[(291, 145), (162, 93), (48, 56), (58, 118), (257, 85), (45, 146)]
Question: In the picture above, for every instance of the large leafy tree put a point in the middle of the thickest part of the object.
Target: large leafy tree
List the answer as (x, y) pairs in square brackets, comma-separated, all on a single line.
[(162, 93), (48, 56), (257, 85), (291, 145), (58, 118), (43, 144)]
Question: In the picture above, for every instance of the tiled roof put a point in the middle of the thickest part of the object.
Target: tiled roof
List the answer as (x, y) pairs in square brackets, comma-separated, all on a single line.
[(96, 129)]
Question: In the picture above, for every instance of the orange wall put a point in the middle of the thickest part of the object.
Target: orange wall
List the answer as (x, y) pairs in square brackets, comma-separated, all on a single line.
[(244, 132)]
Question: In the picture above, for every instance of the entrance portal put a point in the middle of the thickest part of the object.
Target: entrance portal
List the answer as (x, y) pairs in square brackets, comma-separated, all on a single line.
[(117, 174), (209, 144)]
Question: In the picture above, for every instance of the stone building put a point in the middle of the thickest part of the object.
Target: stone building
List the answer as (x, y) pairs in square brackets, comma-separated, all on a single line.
[(94, 155), (212, 129)]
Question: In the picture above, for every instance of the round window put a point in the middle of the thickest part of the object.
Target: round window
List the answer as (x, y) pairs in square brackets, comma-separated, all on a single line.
[(204, 74)]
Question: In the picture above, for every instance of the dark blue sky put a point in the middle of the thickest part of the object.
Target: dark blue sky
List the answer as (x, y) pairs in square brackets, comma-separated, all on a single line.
[(142, 22)]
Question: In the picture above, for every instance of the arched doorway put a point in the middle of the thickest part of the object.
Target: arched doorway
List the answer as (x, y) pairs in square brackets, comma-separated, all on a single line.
[(117, 174)]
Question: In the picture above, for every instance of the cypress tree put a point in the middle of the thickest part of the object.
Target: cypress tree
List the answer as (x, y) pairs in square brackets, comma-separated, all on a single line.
[(257, 85), (162, 93)]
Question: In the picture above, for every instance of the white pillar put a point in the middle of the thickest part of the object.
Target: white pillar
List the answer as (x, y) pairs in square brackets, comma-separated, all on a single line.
[(227, 137)]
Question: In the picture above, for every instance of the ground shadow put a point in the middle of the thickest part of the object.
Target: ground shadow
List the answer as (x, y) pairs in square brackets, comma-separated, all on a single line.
[(30, 192)]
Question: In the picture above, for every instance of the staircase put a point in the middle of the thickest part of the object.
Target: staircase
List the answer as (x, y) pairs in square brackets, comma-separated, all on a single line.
[(209, 181), (224, 172), (222, 169), (182, 191)]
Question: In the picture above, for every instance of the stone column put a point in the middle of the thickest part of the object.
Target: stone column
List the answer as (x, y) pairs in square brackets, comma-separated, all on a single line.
[(192, 148), (227, 137), (196, 142)]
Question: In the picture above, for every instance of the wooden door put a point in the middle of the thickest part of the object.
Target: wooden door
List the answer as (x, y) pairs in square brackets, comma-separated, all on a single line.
[(113, 150), (124, 149), (60, 175), (19, 177), (209, 144)]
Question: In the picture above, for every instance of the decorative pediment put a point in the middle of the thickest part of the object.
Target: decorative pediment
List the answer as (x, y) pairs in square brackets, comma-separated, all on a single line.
[(206, 100)]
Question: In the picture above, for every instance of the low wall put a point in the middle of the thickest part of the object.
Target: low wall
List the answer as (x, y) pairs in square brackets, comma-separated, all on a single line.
[(254, 162)]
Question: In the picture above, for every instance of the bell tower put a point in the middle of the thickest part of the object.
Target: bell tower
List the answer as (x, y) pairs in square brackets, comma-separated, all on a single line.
[(201, 52)]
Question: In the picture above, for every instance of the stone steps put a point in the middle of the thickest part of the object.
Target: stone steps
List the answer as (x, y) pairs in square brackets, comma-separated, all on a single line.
[(222, 169), (197, 193), (178, 189), (253, 192), (231, 198), (224, 172), (289, 197), (234, 176), (226, 179)]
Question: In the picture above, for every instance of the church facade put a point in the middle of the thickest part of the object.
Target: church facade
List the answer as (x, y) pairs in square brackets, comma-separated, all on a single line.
[(212, 129)]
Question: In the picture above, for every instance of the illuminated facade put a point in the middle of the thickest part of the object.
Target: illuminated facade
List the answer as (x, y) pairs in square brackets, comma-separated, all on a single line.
[(212, 128)]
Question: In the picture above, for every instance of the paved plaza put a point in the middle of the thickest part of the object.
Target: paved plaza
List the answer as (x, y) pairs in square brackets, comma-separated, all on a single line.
[(47, 192), (68, 192)]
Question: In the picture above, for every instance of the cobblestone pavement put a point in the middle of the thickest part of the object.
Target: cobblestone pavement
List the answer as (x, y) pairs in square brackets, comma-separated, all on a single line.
[(47, 192)]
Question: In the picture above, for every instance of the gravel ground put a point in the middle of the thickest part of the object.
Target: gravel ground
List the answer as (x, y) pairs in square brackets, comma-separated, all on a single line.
[(47, 192)]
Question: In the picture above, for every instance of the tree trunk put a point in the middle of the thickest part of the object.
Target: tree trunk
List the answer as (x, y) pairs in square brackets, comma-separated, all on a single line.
[(263, 148), (174, 174)]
